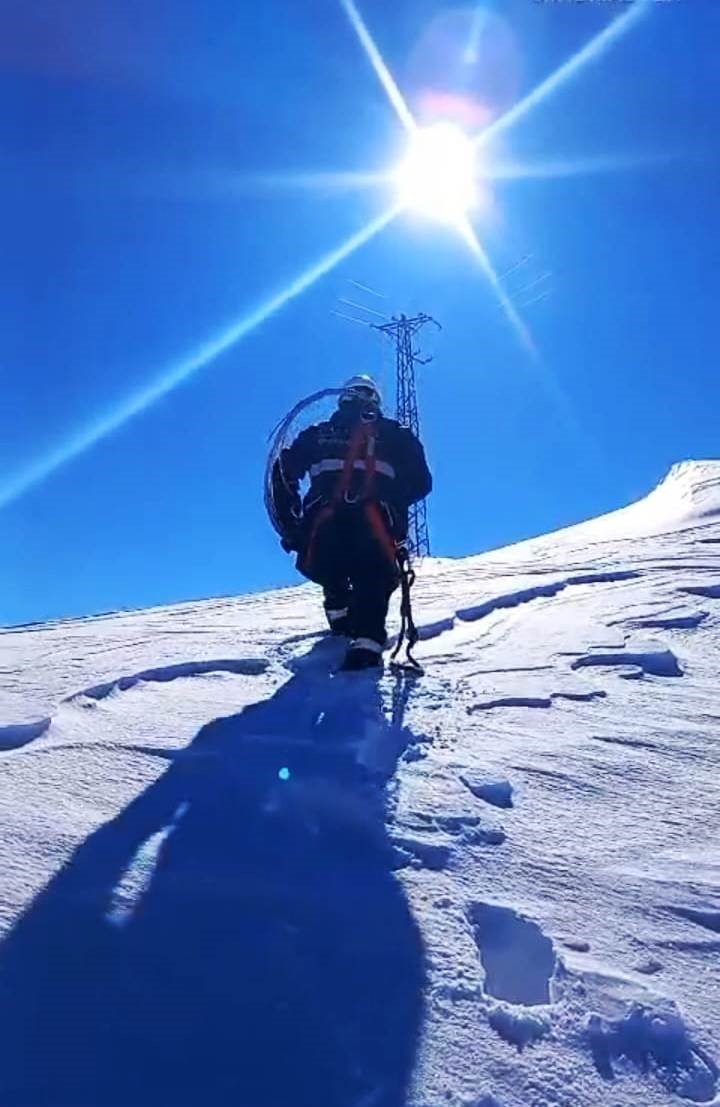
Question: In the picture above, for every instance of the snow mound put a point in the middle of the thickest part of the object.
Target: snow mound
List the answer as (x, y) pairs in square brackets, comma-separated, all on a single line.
[(497, 792), (654, 1042), (691, 490), (519, 1027), (652, 659), (689, 494)]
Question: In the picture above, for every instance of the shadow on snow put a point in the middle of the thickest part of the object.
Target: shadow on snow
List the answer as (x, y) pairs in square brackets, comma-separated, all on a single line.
[(270, 960)]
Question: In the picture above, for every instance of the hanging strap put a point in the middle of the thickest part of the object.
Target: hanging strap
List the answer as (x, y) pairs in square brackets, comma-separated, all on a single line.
[(408, 631), (362, 451), (370, 461), (353, 452)]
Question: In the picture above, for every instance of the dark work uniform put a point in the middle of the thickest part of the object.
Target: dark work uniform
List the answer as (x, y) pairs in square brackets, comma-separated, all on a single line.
[(365, 471)]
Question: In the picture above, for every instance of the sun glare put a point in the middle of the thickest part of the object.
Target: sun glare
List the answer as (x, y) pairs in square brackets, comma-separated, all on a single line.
[(437, 176), (441, 176)]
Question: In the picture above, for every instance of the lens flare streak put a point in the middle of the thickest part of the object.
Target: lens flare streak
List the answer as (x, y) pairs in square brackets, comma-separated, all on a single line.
[(311, 181), (384, 75), (136, 403), (519, 326), (590, 52), (608, 163)]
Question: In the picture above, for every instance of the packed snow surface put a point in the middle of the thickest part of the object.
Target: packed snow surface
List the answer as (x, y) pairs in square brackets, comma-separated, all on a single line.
[(230, 876)]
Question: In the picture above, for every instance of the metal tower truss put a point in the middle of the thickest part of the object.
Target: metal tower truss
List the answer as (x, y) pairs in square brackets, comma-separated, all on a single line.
[(401, 330)]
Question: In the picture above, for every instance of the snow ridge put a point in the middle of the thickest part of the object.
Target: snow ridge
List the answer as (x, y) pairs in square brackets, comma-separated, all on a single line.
[(15, 735)]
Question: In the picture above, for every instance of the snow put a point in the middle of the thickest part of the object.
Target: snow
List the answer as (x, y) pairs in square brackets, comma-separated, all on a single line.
[(229, 876)]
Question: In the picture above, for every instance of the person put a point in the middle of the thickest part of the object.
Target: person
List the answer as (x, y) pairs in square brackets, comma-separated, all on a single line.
[(365, 471)]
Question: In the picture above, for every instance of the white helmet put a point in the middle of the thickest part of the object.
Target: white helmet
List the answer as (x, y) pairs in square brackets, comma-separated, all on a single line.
[(360, 387)]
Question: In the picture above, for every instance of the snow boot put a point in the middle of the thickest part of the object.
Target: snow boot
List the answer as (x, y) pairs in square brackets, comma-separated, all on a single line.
[(339, 623), (364, 653)]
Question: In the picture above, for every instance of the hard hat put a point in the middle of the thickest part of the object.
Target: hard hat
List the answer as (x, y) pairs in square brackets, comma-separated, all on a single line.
[(360, 387)]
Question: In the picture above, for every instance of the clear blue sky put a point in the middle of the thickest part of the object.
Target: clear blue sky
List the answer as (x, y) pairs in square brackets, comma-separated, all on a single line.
[(134, 236)]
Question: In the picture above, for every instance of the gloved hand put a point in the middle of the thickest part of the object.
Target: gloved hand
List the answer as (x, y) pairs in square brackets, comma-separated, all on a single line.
[(292, 540)]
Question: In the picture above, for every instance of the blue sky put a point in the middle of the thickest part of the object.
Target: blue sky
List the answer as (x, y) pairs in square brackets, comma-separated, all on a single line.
[(134, 141)]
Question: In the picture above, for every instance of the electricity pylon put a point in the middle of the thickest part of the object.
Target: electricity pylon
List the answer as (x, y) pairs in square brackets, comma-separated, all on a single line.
[(402, 330)]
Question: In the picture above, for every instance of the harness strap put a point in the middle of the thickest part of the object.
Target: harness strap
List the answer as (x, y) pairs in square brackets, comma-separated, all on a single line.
[(408, 630), (370, 462), (343, 485), (380, 531), (322, 516)]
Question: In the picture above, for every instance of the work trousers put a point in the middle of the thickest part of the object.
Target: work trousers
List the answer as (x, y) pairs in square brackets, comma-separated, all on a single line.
[(350, 552)]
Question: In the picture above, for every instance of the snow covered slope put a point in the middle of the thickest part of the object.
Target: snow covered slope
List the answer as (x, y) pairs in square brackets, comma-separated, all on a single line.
[(230, 877)]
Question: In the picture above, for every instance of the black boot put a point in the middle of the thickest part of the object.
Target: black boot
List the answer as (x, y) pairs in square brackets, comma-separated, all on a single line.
[(364, 653), (339, 623), (337, 610)]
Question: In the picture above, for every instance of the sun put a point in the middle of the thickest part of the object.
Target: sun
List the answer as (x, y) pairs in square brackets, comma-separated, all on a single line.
[(438, 174)]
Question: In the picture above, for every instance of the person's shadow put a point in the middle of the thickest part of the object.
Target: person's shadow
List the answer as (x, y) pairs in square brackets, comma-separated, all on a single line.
[(271, 960)]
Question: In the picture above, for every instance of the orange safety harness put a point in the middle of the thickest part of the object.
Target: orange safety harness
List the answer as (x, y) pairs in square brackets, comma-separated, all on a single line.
[(396, 554), (365, 437)]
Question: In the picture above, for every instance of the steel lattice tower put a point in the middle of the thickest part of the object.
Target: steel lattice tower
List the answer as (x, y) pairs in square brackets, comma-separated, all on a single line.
[(402, 331)]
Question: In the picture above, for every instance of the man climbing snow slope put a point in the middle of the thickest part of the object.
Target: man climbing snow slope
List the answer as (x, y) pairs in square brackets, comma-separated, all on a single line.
[(365, 471)]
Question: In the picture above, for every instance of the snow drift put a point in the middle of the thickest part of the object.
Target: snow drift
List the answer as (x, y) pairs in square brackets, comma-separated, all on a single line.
[(230, 876)]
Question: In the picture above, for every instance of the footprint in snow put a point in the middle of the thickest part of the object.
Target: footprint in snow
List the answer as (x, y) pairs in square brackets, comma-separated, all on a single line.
[(421, 852), (432, 847), (517, 956)]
